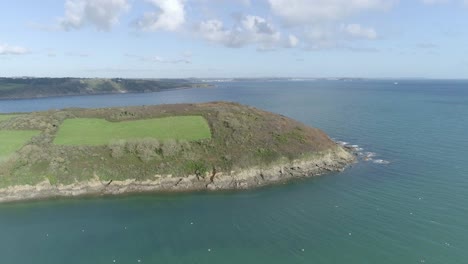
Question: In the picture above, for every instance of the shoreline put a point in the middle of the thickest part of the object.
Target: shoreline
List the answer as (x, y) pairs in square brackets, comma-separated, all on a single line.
[(334, 160)]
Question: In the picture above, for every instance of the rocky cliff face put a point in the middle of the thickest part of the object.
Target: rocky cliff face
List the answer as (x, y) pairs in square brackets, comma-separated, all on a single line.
[(241, 179)]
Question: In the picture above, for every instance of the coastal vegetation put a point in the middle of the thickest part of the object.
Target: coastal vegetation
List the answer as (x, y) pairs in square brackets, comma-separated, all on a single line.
[(170, 147)]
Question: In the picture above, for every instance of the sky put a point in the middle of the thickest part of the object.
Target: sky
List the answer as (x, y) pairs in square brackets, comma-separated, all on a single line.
[(234, 38)]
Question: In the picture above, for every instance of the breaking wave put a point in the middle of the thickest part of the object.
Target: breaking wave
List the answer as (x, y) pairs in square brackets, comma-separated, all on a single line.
[(361, 154)]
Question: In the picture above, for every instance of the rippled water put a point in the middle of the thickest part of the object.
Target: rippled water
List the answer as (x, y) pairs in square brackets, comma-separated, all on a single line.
[(412, 210)]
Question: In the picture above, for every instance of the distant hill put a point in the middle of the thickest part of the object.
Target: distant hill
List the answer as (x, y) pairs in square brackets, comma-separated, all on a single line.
[(13, 88)]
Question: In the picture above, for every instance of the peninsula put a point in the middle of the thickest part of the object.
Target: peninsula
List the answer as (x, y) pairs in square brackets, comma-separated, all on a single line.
[(31, 87), (165, 148)]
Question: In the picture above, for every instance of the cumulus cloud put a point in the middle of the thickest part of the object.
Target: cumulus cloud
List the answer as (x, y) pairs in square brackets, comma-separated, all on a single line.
[(6, 49), (299, 12), (293, 41), (169, 16), (320, 22), (102, 14), (249, 30), (358, 31)]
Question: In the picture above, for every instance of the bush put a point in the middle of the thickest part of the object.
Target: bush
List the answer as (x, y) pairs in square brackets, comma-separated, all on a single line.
[(117, 148), (198, 168), (170, 148), (145, 149)]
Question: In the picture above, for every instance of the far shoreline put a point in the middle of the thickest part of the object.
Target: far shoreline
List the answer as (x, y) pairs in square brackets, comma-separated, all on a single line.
[(93, 94)]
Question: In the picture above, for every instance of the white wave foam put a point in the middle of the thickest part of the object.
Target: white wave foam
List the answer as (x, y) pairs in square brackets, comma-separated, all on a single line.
[(380, 161), (366, 156), (342, 143)]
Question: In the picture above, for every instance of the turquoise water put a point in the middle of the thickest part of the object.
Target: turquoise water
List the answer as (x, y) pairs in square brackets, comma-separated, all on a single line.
[(412, 210)]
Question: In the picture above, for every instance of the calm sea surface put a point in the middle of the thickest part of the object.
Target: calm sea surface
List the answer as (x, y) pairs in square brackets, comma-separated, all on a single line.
[(412, 210)]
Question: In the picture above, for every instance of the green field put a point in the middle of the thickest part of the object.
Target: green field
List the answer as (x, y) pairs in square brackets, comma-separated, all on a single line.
[(13, 140), (95, 132), (6, 117)]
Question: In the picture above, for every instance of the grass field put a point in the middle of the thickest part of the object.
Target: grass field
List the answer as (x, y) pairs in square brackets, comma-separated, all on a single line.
[(6, 117), (94, 132), (13, 140)]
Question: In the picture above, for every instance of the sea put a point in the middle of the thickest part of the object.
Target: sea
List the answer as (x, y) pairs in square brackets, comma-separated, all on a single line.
[(404, 201)]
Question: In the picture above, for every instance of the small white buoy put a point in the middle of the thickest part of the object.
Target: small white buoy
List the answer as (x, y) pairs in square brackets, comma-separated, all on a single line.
[(349, 234), (191, 223), (113, 261), (302, 250), (82, 230), (209, 250), (411, 213), (47, 235), (336, 206), (139, 260), (125, 228)]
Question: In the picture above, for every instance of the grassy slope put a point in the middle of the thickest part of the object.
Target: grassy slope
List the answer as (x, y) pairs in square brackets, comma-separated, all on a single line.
[(11, 141), (241, 137), (95, 132)]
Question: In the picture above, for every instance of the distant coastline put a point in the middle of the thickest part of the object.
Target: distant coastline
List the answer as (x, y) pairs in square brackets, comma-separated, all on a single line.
[(30, 87)]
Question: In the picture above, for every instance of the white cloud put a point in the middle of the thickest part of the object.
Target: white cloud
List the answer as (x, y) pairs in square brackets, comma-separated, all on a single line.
[(102, 14), (358, 31), (169, 17), (300, 12), (249, 30), (293, 41), (321, 21), (6, 49)]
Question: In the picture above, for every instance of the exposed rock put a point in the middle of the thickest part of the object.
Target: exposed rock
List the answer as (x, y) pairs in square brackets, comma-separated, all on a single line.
[(334, 160)]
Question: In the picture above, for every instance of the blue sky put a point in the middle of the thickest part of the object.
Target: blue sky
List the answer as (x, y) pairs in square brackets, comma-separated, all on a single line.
[(234, 38)]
